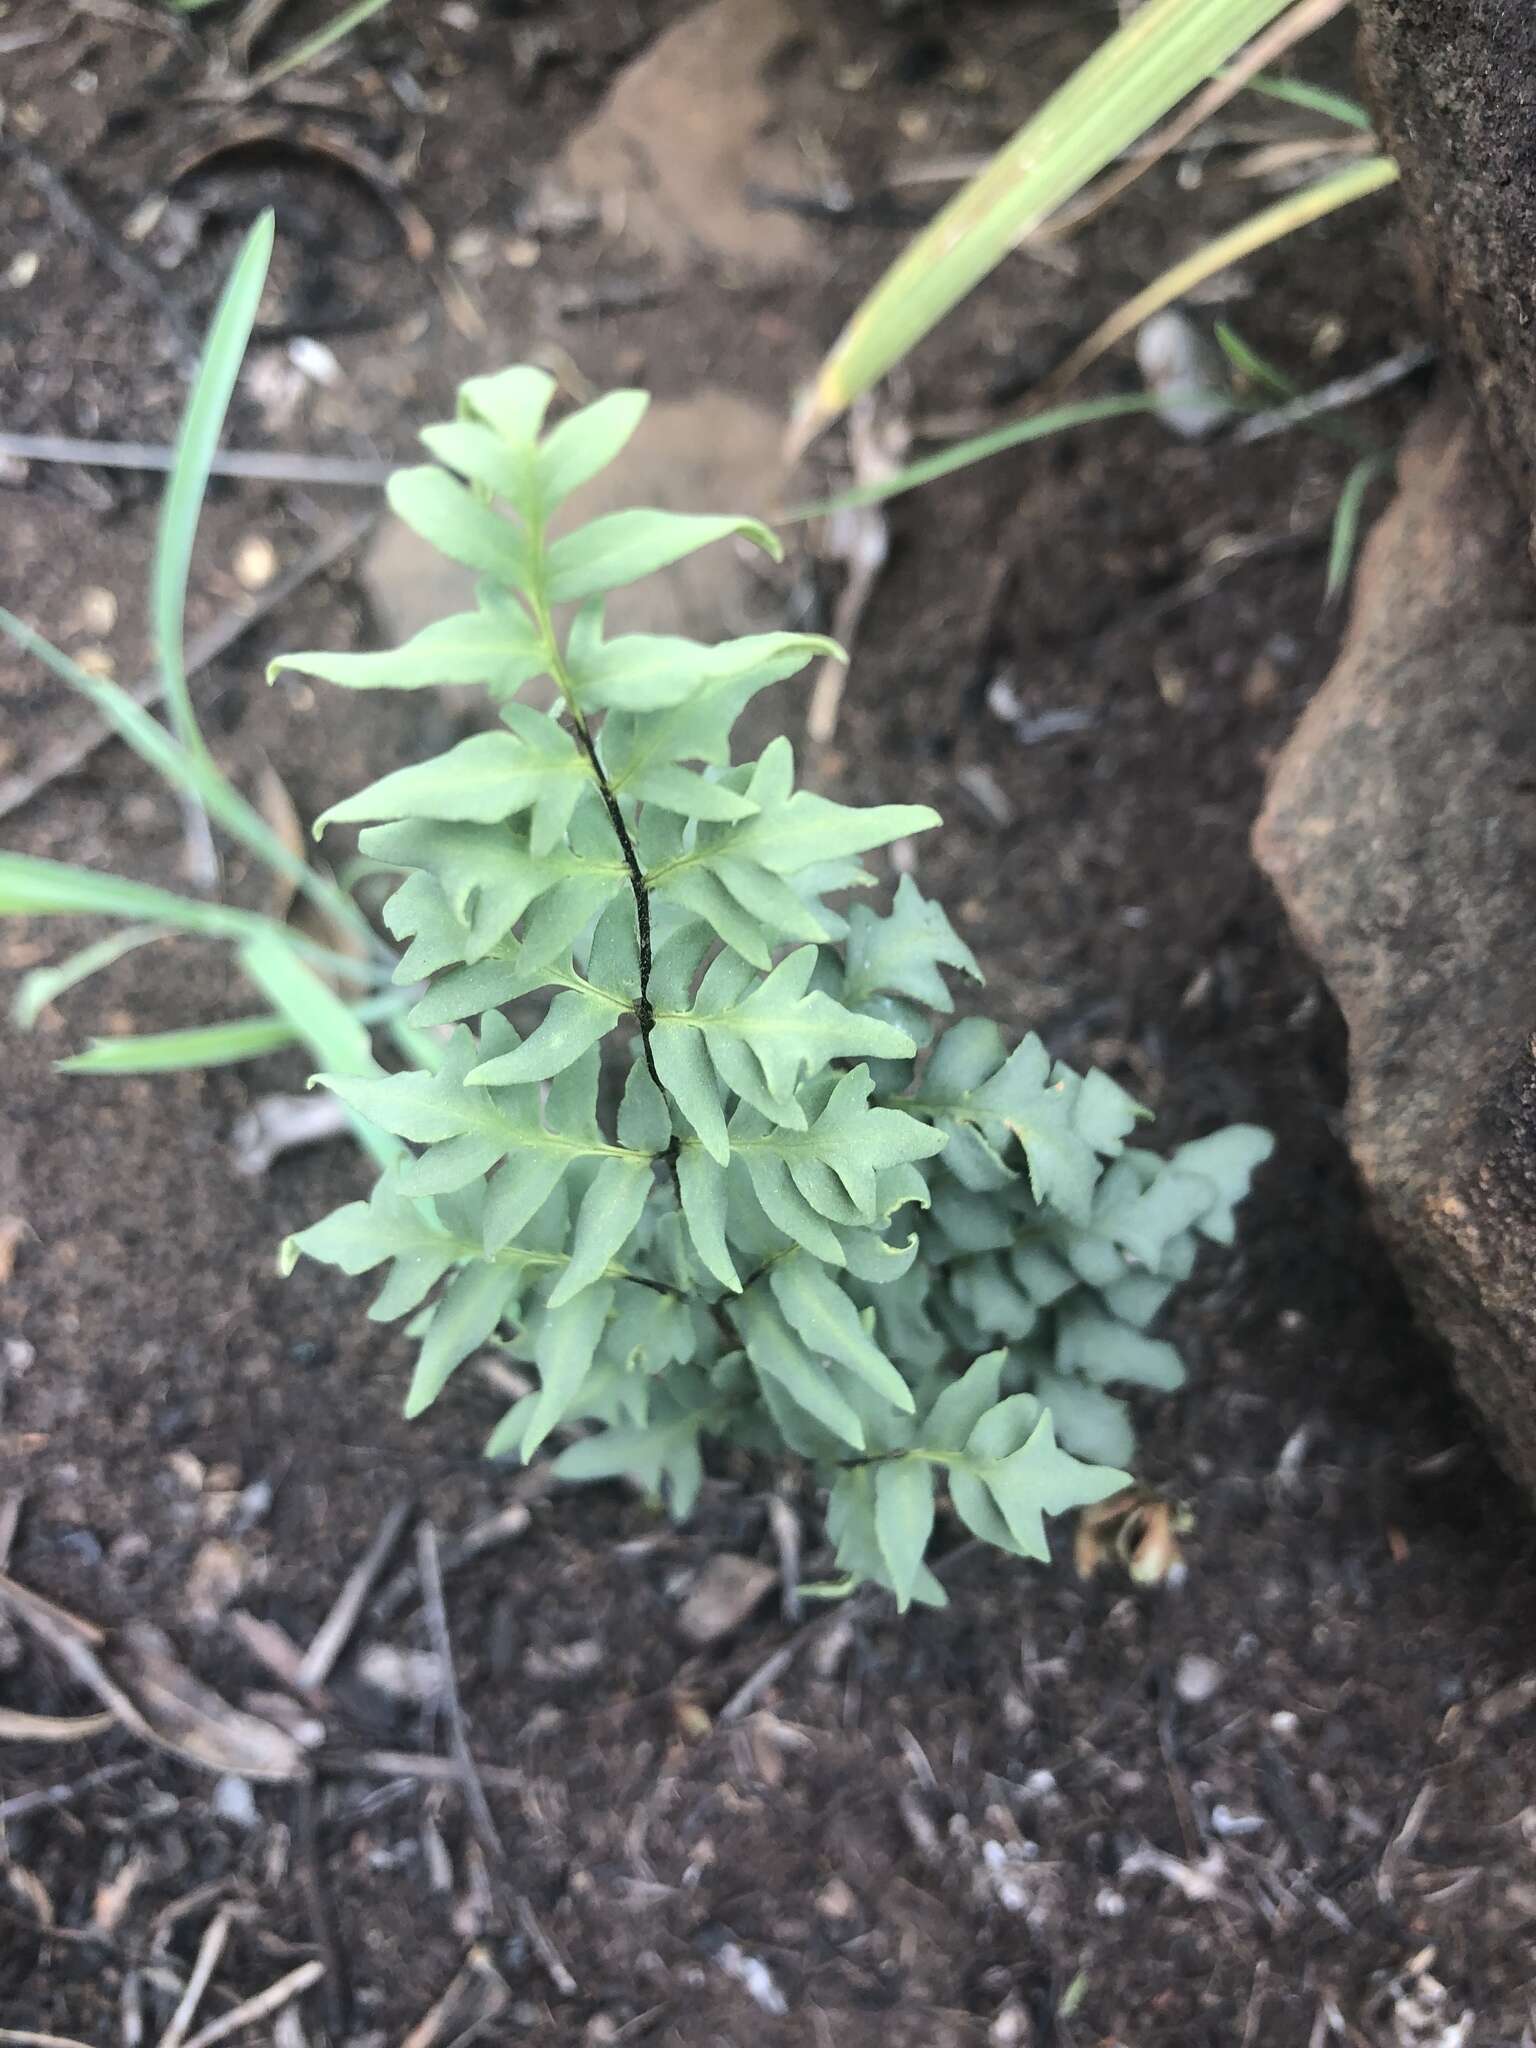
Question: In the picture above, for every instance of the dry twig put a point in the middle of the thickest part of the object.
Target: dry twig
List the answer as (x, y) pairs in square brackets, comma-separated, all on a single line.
[(335, 1632), (209, 1950), (264, 465), (68, 753), (129, 269), (429, 1570), (322, 1932), (277, 1995)]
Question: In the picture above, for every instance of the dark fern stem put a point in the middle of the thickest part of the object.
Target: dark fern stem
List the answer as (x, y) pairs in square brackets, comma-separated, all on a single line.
[(641, 895)]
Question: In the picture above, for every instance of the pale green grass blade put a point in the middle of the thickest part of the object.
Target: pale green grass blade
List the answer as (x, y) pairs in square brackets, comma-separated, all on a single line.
[(335, 1034), (316, 45), (1295, 211), (1345, 536), (201, 1045), (960, 454), (37, 990), (196, 445), (194, 777), (1316, 99), (1161, 54), (173, 1052), (1247, 362), (33, 887)]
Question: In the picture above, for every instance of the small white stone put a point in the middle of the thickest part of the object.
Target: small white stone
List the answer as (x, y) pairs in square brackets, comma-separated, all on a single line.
[(1197, 1679), (233, 1800), (255, 562), (1109, 1904)]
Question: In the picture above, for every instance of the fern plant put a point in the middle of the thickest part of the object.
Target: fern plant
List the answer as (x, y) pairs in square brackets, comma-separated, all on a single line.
[(789, 1211)]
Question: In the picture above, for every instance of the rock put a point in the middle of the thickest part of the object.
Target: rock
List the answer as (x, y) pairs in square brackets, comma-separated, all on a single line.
[(683, 138), (722, 1596), (409, 584), (1450, 89), (1400, 831)]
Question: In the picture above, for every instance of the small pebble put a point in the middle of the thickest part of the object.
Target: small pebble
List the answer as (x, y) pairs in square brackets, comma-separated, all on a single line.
[(22, 268), (233, 1800), (1197, 1679), (96, 612), (1012, 2028), (255, 562), (1184, 371), (312, 359)]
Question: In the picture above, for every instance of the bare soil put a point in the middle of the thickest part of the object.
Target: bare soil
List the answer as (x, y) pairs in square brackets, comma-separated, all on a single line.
[(1292, 1801)]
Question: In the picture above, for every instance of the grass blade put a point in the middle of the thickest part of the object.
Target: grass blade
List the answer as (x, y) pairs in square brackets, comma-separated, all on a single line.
[(33, 887), (1161, 54), (172, 1052), (195, 777), (196, 444), (37, 990), (1295, 211), (1304, 19), (1316, 99), (203, 1045), (1345, 536), (959, 454), (316, 1015), (1247, 362), (316, 45)]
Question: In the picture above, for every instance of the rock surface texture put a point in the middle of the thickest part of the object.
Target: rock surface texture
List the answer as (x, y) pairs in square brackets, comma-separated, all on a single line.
[(1400, 830), (1452, 87)]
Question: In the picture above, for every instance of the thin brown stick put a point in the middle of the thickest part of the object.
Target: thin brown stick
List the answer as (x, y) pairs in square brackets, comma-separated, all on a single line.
[(1343, 391), (68, 753), (317, 1909), (559, 1970), (23, 1803), (335, 1632), (408, 1763), (17, 1726), (264, 465), (282, 1993), (18, 2037), (502, 1527), (209, 1950), (449, 2011), (129, 269), (773, 1667), (429, 1570), (1303, 20)]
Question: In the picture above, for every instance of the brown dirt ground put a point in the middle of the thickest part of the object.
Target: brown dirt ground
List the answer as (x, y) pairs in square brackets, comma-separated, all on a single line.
[(932, 1831)]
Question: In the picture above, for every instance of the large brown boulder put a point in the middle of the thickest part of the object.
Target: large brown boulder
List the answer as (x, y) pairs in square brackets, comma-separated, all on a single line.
[(1452, 87), (1400, 830)]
